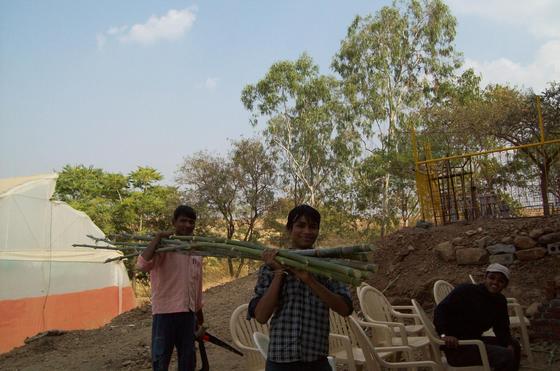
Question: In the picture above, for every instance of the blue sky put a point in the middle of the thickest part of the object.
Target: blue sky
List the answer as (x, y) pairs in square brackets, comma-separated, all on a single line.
[(122, 84)]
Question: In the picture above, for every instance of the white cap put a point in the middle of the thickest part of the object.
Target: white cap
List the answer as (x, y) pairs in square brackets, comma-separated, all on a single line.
[(495, 267)]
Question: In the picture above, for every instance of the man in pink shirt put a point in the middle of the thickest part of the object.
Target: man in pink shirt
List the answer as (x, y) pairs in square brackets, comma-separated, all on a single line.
[(176, 281)]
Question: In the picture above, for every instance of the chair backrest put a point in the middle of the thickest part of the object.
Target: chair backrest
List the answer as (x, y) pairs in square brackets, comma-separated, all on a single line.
[(429, 328), (376, 308), (261, 341), (242, 335), (441, 290), (339, 325), (374, 304), (372, 361)]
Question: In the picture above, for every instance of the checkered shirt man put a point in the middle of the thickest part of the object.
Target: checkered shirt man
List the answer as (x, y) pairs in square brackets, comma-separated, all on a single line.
[(299, 328)]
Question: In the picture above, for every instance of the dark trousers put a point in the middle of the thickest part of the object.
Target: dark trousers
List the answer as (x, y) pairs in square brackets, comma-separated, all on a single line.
[(321, 364), (499, 357), (173, 330)]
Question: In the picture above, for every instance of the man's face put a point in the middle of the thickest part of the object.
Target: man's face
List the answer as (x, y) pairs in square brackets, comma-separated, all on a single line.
[(184, 226), (303, 233), (495, 282)]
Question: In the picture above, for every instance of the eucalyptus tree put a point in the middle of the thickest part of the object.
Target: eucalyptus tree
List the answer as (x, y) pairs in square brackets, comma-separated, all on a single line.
[(392, 64), (304, 125), (256, 173)]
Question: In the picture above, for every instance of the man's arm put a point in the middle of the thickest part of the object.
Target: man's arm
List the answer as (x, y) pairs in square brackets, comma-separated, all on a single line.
[(333, 300), (199, 318), (269, 301), (148, 253)]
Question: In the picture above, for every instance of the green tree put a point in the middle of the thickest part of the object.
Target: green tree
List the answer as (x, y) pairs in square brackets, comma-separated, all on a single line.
[(511, 116), (302, 111), (149, 205), (92, 191), (256, 174), (213, 182), (391, 65)]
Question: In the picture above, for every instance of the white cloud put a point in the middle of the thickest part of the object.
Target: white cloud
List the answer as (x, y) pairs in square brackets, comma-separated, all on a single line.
[(539, 17), (100, 40), (171, 26), (211, 83), (544, 68)]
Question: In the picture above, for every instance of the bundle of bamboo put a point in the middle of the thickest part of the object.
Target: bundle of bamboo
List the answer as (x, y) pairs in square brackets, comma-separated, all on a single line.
[(346, 264)]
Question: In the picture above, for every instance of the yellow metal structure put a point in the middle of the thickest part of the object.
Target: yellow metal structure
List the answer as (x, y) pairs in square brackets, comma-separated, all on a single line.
[(445, 188)]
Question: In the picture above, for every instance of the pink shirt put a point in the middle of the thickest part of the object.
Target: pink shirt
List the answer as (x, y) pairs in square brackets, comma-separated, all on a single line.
[(176, 282)]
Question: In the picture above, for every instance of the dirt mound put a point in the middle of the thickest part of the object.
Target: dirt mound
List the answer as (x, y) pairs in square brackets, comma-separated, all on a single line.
[(408, 267)]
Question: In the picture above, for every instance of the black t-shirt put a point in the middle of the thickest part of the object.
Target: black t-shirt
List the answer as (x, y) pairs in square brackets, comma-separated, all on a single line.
[(469, 310)]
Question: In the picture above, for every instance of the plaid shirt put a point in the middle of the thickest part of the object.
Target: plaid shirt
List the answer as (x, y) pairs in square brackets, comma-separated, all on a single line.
[(299, 328)]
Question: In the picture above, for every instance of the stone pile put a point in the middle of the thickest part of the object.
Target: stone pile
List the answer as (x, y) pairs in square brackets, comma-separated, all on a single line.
[(477, 248), (545, 322)]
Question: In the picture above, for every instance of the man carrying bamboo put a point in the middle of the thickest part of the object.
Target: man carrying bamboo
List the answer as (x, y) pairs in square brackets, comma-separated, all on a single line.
[(298, 302), (176, 281)]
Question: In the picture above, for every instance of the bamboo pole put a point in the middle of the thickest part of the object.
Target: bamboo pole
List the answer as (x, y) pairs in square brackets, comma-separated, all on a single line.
[(312, 260)]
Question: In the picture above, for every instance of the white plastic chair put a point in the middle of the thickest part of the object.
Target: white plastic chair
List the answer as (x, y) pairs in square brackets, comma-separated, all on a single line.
[(373, 360), (441, 290), (242, 334), (437, 342), (377, 309), (261, 341)]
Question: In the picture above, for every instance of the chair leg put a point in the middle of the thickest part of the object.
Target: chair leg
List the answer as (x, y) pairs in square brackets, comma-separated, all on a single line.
[(525, 341)]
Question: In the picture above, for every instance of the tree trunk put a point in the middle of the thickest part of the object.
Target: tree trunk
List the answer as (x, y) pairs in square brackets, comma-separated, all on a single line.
[(385, 203), (230, 267), (544, 188), (239, 267)]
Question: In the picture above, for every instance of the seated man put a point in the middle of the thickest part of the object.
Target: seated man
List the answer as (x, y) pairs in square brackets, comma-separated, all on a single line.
[(468, 311)]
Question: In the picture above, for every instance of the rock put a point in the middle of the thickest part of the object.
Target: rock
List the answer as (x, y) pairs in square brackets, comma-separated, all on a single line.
[(545, 239), (458, 241), (471, 255), (500, 248), (403, 252), (446, 251), (547, 230), (553, 248), (533, 309), (531, 254), (483, 242), (503, 259), (423, 224), (536, 233), (524, 242), (507, 240), (411, 248), (479, 229), (471, 232)]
